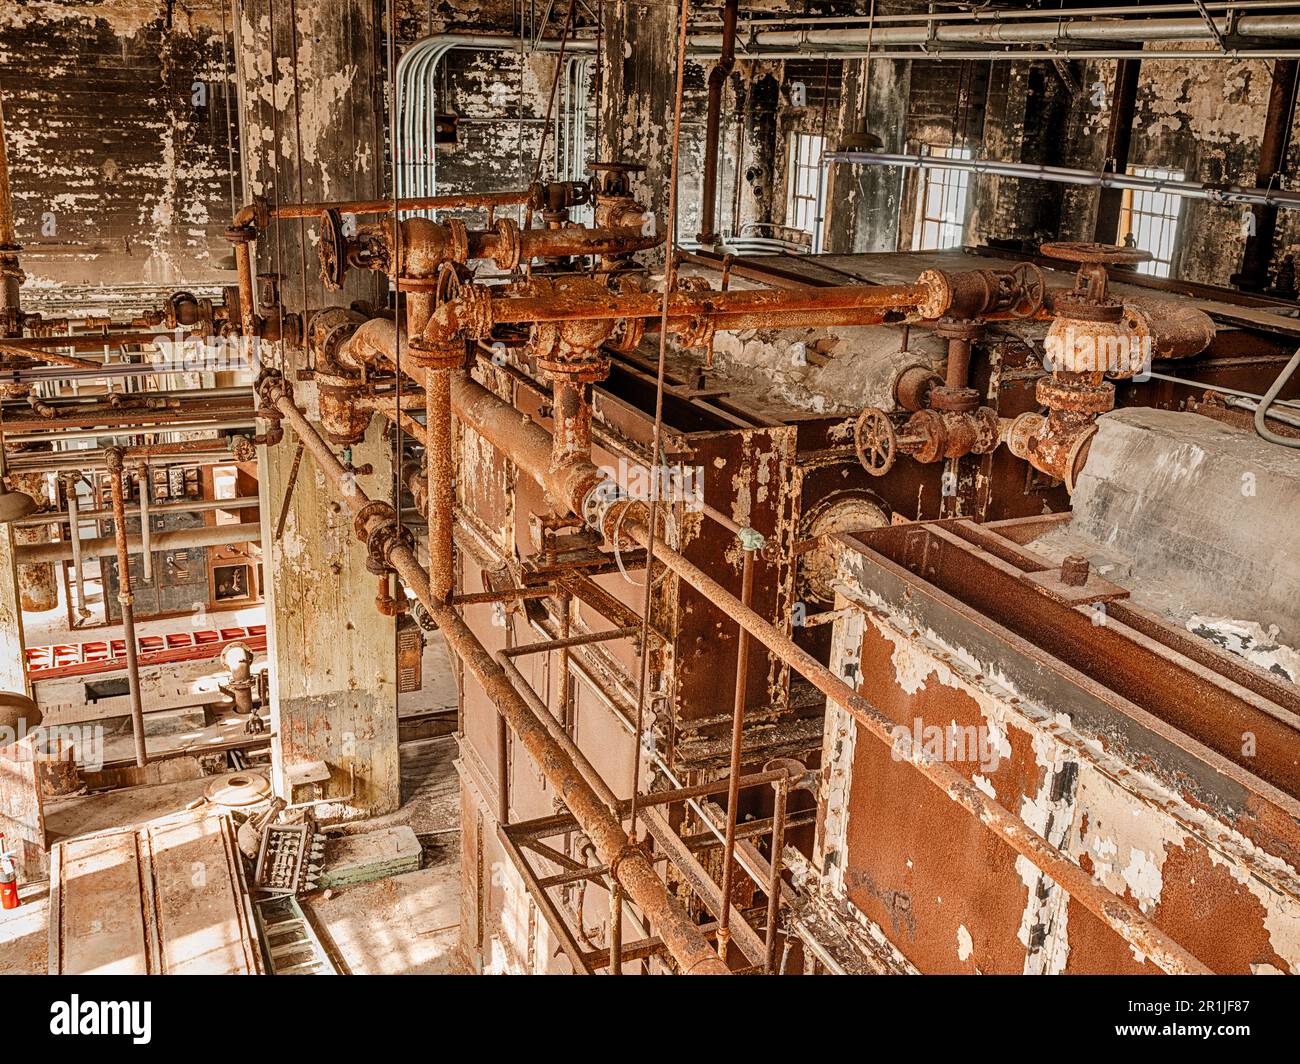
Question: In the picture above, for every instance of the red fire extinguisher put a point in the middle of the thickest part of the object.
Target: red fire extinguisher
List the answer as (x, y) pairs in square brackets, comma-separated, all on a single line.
[(8, 878)]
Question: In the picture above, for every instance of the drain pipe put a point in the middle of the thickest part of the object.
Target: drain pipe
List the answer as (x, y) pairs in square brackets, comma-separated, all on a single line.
[(628, 864), (708, 234), (117, 471)]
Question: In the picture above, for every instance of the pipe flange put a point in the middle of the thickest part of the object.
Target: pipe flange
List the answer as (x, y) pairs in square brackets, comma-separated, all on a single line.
[(371, 510), (627, 334), (698, 332), (9, 268), (428, 355), (509, 245), (959, 329), (241, 234), (583, 371), (1079, 306), (475, 311), (1075, 396), (600, 500), (953, 400), (925, 436), (113, 459), (457, 241), (383, 539), (985, 421), (243, 449), (938, 294)]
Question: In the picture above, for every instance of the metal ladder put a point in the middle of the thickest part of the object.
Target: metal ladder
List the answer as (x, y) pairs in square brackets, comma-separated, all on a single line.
[(289, 942)]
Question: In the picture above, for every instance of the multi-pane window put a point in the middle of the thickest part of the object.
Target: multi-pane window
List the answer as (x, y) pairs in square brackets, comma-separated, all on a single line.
[(803, 181), (941, 202), (1152, 219)]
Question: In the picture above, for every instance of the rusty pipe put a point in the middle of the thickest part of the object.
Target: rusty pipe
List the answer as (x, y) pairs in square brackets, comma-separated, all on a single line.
[(708, 235), (117, 471), (628, 863), (737, 737), (250, 214), (442, 492)]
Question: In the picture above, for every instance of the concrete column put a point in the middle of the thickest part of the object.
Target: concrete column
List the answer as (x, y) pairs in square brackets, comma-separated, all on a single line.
[(334, 689), (863, 201), (13, 671), (636, 123)]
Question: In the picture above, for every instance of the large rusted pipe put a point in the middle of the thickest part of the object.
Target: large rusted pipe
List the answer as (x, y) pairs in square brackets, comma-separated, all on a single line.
[(117, 471), (627, 863), (708, 235)]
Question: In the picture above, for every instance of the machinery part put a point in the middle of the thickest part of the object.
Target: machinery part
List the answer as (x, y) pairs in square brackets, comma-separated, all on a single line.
[(844, 513), (290, 943), (1091, 253), (875, 441), (1055, 443), (18, 715), (238, 790), (1032, 284), (933, 435), (333, 249), (284, 858), (912, 386), (1168, 329)]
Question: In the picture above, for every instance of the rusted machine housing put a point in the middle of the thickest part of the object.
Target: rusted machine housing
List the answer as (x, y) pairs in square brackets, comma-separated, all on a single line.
[(791, 480), (1120, 742)]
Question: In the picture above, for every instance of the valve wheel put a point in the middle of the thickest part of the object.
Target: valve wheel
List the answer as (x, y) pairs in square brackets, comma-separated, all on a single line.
[(1032, 285), (333, 250), (1086, 252), (875, 441)]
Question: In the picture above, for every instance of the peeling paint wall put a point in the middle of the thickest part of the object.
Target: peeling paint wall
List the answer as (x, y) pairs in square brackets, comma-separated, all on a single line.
[(120, 152)]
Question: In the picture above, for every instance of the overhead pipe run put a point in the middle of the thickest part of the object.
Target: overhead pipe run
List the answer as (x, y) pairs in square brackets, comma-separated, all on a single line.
[(1221, 194)]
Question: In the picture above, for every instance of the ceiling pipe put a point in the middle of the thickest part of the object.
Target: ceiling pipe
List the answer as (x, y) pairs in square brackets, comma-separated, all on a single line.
[(106, 546), (1225, 194), (1265, 28)]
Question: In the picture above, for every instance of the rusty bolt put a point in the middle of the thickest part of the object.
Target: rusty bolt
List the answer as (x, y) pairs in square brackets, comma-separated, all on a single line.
[(1074, 570)]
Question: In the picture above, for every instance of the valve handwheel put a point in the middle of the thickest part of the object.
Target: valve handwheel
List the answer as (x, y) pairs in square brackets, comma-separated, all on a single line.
[(1032, 286), (1089, 253), (875, 441), (333, 250)]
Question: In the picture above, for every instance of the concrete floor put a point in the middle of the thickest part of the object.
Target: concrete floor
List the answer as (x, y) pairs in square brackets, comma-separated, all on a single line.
[(406, 924)]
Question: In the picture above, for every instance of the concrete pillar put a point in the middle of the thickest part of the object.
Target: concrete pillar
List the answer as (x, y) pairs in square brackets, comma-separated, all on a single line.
[(636, 123), (863, 201), (311, 130)]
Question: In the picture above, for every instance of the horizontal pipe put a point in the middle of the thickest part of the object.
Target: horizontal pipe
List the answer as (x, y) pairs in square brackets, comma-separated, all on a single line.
[(53, 432), (1012, 31), (106, 546), (190, 453), (1274, 197), (54, 517)]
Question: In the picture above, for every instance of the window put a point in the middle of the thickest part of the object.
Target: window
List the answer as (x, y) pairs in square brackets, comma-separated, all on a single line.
[(803, 179), (941, 203), (1152, 219)]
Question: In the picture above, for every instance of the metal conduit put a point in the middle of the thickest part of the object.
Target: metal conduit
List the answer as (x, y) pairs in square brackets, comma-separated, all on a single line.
[(417, 173)]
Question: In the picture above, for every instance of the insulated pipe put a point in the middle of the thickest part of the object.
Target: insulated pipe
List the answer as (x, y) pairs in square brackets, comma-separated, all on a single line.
[(74, 535), (708, 235), (627, 862), (146, 547), (117, 471)]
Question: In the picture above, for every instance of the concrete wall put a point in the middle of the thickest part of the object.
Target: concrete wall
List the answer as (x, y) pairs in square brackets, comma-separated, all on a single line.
[(118, 139)]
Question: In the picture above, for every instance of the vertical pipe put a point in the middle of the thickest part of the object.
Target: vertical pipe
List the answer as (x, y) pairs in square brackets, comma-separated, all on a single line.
[(74, 531), (782, 788), (146, 548), (1119, 136), (117, 471), (737, 733), (437, 385), (1258, 253), (708, 234), (616, 930)]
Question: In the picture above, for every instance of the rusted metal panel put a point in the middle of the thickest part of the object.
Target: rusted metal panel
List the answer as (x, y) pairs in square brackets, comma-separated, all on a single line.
[(1202, 846)]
